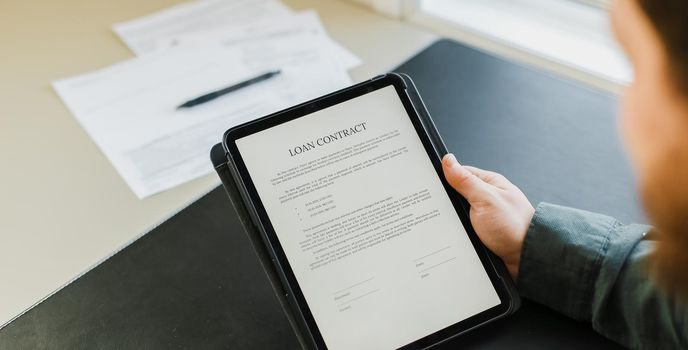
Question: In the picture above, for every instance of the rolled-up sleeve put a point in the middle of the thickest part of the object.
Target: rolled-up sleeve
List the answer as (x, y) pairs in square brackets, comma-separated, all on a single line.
[(592, 268)]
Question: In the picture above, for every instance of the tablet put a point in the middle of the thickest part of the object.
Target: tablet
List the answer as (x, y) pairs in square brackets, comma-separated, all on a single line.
[(375, 250)]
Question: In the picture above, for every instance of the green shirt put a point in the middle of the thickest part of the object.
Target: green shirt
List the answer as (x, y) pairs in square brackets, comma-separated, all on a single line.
[(592, 268)]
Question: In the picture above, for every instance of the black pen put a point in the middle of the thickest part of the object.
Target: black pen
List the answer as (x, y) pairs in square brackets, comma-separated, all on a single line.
[(215, 94)]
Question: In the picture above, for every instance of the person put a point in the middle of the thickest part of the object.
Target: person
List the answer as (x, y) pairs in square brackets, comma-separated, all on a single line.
[(629, 281)]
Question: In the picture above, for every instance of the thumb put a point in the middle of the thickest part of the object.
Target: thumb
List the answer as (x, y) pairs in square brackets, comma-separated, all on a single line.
[(463, 181)]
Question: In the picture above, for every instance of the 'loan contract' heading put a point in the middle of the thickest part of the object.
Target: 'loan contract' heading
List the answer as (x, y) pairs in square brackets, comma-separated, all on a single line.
[(322, 141)]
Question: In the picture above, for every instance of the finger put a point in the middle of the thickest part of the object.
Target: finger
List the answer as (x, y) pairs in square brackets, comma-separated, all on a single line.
[(464, 181), (491, 177)]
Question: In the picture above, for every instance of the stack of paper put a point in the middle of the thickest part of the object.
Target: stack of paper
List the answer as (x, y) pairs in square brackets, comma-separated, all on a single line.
[(129, 109)]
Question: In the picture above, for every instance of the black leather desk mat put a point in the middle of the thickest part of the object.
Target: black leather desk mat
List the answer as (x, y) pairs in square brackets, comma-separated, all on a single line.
[(194, 282)]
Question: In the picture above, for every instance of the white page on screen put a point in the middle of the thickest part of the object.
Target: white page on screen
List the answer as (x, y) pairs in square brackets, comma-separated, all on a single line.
[(373, 239)]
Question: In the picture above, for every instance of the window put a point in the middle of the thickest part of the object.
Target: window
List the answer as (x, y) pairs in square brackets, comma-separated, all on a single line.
[(571, 34)]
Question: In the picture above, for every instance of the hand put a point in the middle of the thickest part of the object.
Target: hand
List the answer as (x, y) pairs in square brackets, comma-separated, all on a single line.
[(500, 212)]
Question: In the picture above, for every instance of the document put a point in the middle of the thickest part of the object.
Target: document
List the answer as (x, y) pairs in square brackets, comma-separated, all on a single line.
[(305, 25), (373, 239), (225, 21), (129, 109), (142, 34)]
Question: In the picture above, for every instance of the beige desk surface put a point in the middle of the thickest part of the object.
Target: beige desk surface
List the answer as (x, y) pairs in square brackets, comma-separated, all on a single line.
[(63, 208)]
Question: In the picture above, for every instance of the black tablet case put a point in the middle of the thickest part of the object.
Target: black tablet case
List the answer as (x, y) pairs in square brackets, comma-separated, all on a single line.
[(220, 161)]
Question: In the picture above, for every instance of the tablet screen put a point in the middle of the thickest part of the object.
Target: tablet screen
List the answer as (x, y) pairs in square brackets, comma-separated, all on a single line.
[(375, 243)]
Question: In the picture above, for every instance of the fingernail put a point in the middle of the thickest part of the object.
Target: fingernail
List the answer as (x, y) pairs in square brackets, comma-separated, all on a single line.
[(449, 160)]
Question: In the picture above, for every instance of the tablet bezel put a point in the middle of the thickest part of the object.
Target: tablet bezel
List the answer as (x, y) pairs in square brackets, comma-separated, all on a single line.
[(272, 240)]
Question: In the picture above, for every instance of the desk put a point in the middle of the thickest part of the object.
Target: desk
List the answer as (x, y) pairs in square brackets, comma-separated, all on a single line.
[(63, 207), (194, 282)]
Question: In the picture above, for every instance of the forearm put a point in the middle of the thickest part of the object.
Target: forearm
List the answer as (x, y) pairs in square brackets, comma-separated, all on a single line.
[(591, 267)]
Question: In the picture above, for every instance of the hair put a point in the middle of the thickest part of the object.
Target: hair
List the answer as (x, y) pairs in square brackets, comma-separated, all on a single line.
[(669, 18), (665, 195)]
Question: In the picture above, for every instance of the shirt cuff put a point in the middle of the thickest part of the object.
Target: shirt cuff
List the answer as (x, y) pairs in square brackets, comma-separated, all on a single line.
[(561, 258)]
